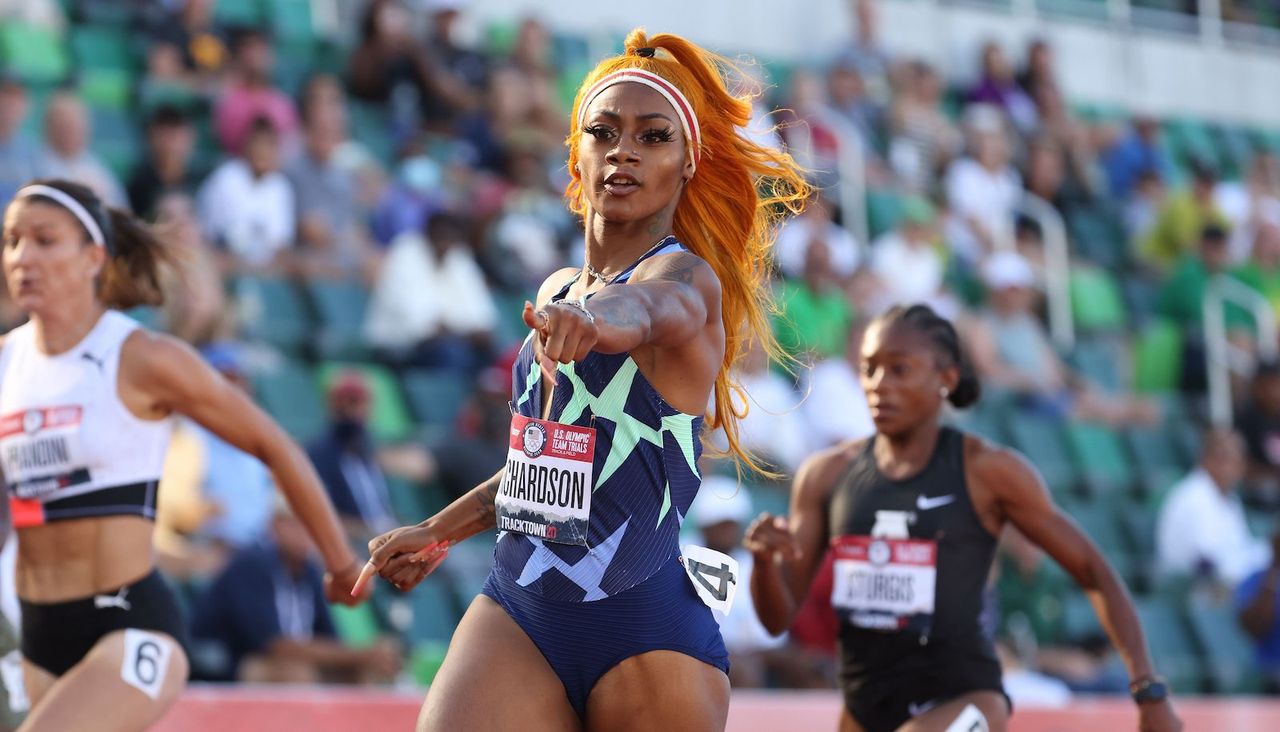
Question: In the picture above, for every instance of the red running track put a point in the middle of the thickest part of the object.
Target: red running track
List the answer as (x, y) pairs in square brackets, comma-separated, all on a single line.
[(278, 709)]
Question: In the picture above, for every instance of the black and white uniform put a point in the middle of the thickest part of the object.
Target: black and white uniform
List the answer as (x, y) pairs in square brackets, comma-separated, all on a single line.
[(910, 565), (70, 449)]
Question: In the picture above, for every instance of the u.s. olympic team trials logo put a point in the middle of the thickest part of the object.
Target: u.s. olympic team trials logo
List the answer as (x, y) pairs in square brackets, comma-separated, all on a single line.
[(533, 439)]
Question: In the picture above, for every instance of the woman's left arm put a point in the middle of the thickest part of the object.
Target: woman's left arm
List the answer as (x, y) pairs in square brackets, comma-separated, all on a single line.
[(175, 379), (1023, 499)]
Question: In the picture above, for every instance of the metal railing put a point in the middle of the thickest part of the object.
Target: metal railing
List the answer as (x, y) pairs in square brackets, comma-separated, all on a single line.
[(1221, 356), (1057, 270), (852, 171)]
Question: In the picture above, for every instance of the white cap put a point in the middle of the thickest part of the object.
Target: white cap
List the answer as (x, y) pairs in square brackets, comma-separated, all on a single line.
[(1007, 269), (720, 499)]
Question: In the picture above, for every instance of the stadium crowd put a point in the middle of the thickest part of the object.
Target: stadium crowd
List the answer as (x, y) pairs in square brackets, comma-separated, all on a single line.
[(362, 212)]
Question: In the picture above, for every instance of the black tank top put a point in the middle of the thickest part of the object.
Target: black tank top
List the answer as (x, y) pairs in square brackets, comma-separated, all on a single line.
[(911, 565)]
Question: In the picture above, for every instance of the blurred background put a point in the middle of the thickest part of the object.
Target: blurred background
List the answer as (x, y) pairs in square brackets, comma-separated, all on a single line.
[(366, 192)]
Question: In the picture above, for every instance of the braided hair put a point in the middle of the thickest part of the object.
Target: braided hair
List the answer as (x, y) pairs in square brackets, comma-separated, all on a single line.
[(945, 341)]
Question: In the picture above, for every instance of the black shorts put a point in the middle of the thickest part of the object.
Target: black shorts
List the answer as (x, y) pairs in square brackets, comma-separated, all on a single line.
[(891, 700), (55, 636)]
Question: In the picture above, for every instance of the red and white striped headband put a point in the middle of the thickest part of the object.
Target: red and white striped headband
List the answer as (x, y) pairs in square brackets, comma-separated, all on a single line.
[(683, 108)]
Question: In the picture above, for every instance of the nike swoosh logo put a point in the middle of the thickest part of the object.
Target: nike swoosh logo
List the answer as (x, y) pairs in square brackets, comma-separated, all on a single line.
[(925, 503)]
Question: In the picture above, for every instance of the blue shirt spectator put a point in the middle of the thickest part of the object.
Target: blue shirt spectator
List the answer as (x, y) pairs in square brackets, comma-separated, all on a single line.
[(1137, 152), (19, 156), (1257, 598), (257, 601)]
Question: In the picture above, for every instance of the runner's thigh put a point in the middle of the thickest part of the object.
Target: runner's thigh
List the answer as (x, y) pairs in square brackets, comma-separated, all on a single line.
[(125, 683), (663, 690), (495, 678), (992, 705)]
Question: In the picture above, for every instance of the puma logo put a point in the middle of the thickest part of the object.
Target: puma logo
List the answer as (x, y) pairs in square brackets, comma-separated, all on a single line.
[(117, 600), (92, 359), (926, 503)]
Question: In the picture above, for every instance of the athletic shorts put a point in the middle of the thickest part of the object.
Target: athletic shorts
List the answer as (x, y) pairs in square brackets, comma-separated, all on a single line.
[(584, 640), (55, 636), (891, 700)]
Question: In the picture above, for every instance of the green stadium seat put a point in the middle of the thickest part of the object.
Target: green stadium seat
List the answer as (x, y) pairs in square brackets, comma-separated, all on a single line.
[(109, 88), (1140, 295), (272, 310), (1191, 139), (884, 209), (1171, 644), (1100, 360), (291, 21), (500, 37), (1156, 459), (388, 418), (1095, 301), (340, 306), (767, 498), (1098, 236), (238, 13), (1236, 148), (99, 13), (1099, 519), (1228, 651), (1157, 358), (1043, 442), (371, 127), (425, 661), (34, 53), (511, 328), (434, 614), (116, 139), (1079, 619), (289, 393), (435, 397), (103, 47), (1100, 457), (356, 626), (412, 502)]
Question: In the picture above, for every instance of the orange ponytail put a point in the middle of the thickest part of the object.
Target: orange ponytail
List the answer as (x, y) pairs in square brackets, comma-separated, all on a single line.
[(729, 210)]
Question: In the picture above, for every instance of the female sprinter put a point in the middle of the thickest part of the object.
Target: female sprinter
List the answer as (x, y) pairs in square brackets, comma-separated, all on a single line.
[(912, 516), (588, 618), (85, 396)]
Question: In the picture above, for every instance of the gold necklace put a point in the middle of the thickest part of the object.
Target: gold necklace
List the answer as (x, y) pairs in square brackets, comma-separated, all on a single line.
[(607, 280)]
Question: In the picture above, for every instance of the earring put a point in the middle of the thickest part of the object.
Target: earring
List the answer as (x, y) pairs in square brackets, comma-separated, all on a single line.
[(944, 391)]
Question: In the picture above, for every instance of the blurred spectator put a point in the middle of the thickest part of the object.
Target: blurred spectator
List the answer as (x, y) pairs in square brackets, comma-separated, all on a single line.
[(1011, 350), (46, 13), (250, 95), (415, 191), (533, 58), (347, 461), (512, 116), (810, 128), (1259, 425), (1262, 271), (1061, 156), (217, 496), (1252, 203), (866, 53), (19, 156), (814, 312), (1143, 207), (923, 139), (247, 204), (1038, 69), (389, 66), (167, 168), (265, 619), (1257, 599), (195, 307), (431, 305), (998, 86), (1136, 152), (773, 429), (1184, 216), (184, 30), (467, 67), (524, 245), (334, 239), (847, 97), (816, 224), (477, 443), (908, 264), (1201, 529), (1181, 296), (835, 407), (67, 154), (982, 189), (721, 512)]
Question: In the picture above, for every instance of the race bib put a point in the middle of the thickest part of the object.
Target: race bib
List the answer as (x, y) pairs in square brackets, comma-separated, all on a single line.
[(41, 451), (885, 584), (714, 575), (546, 486)]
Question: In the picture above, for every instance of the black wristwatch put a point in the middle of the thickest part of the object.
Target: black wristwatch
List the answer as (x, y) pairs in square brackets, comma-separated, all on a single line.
[(1149, 689)]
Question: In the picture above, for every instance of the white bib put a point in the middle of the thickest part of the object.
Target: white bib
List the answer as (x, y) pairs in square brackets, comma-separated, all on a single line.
[(884, 584), (714, 575), (546, 486), (43, 450)]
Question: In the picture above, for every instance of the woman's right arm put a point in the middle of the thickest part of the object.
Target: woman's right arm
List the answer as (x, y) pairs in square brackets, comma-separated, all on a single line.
[(787, 554)]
